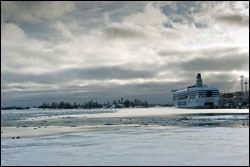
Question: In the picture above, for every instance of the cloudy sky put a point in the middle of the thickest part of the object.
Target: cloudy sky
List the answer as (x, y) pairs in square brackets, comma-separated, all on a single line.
[(75, 51)]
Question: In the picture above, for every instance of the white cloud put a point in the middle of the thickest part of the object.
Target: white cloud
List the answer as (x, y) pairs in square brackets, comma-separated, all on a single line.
[(61, 28), (150, 16), (23, 54)]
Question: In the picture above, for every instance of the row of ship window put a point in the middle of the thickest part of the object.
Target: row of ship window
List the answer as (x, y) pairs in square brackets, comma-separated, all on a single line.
[(194, 95)]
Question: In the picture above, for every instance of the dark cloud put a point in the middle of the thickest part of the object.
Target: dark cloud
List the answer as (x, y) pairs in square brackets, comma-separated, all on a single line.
[(221, 59), (233, 19), (173, 52), (221, 64), (153, 92), (209, 52), (117, 32), (67, 75)]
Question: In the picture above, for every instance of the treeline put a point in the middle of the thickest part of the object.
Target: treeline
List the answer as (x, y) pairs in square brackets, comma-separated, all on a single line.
[(61, 105), (94, 104), (14, 108)]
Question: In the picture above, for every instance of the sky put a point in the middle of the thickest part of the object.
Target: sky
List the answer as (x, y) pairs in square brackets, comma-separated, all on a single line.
[(105, 50)]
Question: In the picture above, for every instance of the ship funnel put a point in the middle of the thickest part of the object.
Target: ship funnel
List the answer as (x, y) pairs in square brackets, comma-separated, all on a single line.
[(198, 80)]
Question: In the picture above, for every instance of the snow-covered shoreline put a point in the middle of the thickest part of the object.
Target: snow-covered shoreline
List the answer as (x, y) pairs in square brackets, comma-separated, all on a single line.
[(153, 136), (137, 146)]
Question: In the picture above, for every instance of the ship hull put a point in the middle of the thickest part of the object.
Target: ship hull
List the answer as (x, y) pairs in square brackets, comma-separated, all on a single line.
[(211, 102)]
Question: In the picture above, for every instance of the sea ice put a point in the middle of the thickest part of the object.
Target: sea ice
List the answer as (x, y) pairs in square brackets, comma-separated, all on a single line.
[(137, 146)]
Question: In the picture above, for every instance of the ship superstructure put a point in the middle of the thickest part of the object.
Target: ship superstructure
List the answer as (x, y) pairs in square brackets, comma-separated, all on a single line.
[(196, 96)]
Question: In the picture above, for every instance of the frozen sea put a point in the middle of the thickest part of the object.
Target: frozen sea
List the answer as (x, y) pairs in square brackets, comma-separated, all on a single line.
[(141, 145)]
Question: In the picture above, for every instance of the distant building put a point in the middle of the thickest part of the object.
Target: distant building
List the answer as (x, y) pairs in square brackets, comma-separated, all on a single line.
[(237, 101)]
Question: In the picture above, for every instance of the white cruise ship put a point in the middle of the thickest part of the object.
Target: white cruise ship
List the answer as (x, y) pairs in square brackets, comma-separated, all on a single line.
[(196, 96)]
